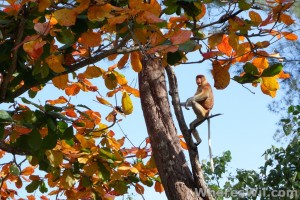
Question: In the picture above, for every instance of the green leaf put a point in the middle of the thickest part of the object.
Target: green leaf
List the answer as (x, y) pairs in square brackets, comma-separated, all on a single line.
[(2, 129), (35, 140), (291, 109), (247, 78), (65, 36), (50, 141), (188, 46), (43, 188), (287, 128), (14, 170), (32, 186), (120, 187), (4, 116), (173, 58), (62, 126), (111, 81), (272, 71), (69, 133), (103, 172), (171, 9), (250, 69), (243, 5)]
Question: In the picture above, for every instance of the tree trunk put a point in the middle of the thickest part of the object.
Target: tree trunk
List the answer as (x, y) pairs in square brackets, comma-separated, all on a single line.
[(172, 166)]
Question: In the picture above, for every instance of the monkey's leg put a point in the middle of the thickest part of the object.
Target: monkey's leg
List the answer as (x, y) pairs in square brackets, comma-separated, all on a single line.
[(195, 132)]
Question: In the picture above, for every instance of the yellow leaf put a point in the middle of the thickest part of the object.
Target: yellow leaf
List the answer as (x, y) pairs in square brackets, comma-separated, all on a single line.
[(134, 170), (290, 36), (269, 86), (127, 106), (61, 81), (54, 62), (43, 4), (65, 17), (83, 5), (123, 61), (181, 36), (55, 157), (214, 40), (120, 78), (103, 101), (135, 62), (90, 39), (67, 180), (221, 75), (261, 63), (158, 187), (93, 72), (91, 169)]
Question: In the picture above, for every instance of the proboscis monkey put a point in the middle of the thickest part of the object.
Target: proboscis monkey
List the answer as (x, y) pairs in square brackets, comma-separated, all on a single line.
[(202, 103)]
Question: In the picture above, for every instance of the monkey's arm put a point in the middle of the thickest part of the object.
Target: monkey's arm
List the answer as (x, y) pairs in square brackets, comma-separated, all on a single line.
[(187, 103)]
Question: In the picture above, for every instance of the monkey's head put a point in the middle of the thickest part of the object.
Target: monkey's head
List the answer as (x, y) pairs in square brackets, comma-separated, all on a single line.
[(200, 80)]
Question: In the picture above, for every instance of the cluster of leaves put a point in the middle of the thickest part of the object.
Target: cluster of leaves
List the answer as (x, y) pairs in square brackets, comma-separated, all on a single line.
[(45, 40), (280, 171), (91, 156)]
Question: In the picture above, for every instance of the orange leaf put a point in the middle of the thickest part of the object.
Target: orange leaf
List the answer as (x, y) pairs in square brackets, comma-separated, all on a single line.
[(123, 61), (255, 17), (261, 63), (55, 63), (99, 13), (269, 86), (70, 112), (286, 19), (22, 129), (112, 93), (283, 75), (60, 100), (151, 18), (43, 4), (60, 81), (72, 90), (221, 75), (112, 57), (224, 46), (131, 90), (158, 187), (135, 62), (139, 189), (290, 36), (117, 20), (183, 145), (34, 48), (181, 36), (28, 171), (90, 39), (103, 101), (30, 197), (65, 17), (19, 183)]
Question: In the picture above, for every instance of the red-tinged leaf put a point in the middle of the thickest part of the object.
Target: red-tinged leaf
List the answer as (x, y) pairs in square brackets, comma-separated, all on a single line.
[(43, 197), (139, 189), (103, 101), (99, 13), (111, 117), (181, 36), (287, 19), (19, 183), (65, 16), (112, 93), (211, 54), (61, 81), (215, 39), (72, 90), (159, 187), (27, 171), (267, 21), (43, 4), (34, 48), (290, 36), (22, 129), (90, 39), (151, 18), (141, 153), (60, 100), (117, 20), (221, 75), (131, 90), (30, 197), (183, 145), (42, 28), (70, 112)]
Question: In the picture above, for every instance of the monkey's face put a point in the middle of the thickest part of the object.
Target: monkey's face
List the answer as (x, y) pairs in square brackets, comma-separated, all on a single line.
[(199, 81)]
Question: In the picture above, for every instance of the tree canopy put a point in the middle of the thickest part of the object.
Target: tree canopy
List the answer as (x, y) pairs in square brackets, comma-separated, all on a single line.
[(61, 42)]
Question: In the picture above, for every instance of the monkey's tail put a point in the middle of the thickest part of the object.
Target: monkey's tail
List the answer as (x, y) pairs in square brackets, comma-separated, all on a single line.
[(209, 148)]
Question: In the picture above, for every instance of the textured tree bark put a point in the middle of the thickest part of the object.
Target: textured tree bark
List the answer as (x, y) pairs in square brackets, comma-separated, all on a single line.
[(173, 169)]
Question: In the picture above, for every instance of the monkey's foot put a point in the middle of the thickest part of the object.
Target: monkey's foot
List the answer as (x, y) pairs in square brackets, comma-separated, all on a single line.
[(198, 142)]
